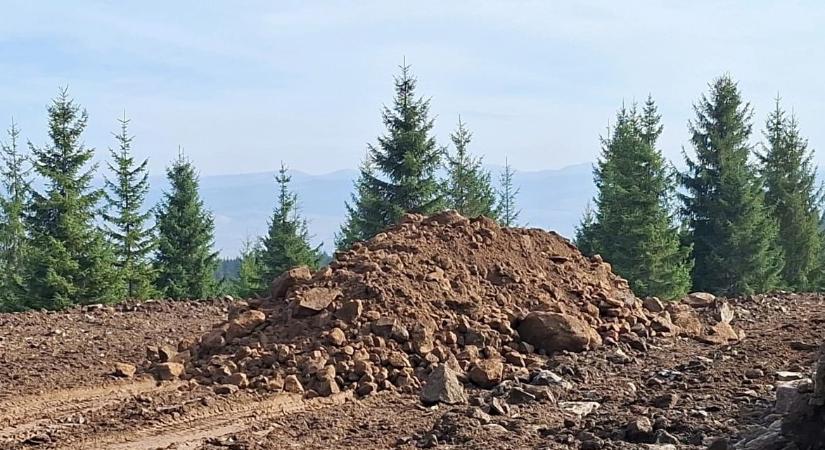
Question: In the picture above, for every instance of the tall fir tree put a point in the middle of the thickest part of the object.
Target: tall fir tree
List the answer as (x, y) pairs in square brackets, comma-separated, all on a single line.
[(286, 244), (16, 184), (365, 216), (185, 261), (400, 175), (794, 197), (71, 261), (126, 226), (732, 231), (468, 190), (506, 209), (633, 227)]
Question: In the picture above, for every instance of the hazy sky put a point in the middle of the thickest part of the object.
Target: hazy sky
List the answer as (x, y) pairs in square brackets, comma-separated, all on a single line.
[(243, 85)]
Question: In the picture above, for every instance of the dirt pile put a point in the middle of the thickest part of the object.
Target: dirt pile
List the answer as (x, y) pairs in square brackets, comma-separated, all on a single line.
[(485, 301)]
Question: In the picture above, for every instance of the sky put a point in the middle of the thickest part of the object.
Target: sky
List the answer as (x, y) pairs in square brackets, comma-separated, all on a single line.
[(244, 85)]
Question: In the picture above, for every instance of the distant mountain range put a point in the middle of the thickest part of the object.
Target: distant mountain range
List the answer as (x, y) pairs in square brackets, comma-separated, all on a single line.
[(242, 204)]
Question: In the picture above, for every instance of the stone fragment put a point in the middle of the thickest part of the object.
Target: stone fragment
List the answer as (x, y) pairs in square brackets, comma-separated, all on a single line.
[(699, 299), (337, 337), (653, 304), (238, 379), (169, 371), (350, 311), (293, 385), (442, 386), (124, 370), (580, 409), (314, 300), (639, 430), (486, 373), (281, 285), (225, 389), (244, 323)]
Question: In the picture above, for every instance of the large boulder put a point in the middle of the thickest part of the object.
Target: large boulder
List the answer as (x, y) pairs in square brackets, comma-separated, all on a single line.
[(555, 332), (442, 386), (281, 285)]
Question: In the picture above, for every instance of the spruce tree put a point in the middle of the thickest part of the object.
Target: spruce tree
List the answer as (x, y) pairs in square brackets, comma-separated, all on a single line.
[(794, 197), (468, 189), (365, 215), (506, 209), (400, 175), (127, 228), (185, 261), (71, 261), (586, 232), (633, 228), (16, 185), (250, 272), (732, 231), (286, 244)]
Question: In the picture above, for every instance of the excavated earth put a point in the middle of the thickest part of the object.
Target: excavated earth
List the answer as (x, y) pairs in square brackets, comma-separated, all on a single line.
[(540, 347)]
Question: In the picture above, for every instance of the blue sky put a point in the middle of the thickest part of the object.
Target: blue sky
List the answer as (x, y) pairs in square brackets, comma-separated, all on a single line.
[(244, 85)]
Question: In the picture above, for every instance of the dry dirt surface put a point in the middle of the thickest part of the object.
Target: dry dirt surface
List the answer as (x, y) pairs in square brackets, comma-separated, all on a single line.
[(443, 332), (694, 392)]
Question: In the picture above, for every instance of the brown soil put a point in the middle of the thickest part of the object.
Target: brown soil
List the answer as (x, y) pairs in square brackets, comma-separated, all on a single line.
[(431, 292)]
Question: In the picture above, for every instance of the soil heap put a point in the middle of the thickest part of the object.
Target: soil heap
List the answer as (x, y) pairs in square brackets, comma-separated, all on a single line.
[(433, 292)]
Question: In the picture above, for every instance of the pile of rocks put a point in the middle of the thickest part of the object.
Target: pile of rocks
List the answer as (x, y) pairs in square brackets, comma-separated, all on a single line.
[(441, 298)]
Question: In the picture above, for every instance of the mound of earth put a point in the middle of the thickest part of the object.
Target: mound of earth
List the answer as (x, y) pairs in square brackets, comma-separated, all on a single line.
[(442, 300)]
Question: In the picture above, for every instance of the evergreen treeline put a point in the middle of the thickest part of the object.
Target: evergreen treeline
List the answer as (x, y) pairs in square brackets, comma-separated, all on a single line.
[(745, 221), (738, 220)]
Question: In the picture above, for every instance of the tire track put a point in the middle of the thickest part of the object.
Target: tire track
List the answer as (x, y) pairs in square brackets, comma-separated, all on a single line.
[(20, 416), (188, 431)]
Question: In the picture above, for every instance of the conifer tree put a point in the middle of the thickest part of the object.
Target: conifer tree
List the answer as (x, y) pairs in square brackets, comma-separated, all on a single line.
[(633, 228), (16, 185), (732, 231), (365, 215), (250, 273), (71, 261), (185, 261), (468, 189), (400, 175), (286, 244), (586, 232), (127, 228), (794, 198), (506, 209)]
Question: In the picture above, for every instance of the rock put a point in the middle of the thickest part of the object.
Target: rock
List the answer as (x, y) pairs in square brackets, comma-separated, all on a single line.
[(498, 407), (787, 393), (366, 388), (719, 444), (349, 311), (494, 428), (724, 312), (518, 396), (337, 337), (639, 430), (244, 324), (169, 371), (719, 334), (281, 285), (619, 357), (754, 374), (555, 332), (390, 328), (442, 386), (398, 360), (486, 373), (699, 299), (314, 300), (653, 304), (548, 378), (788, 376), (663, 437), (166, 353), (124, 370), (684, 317), (225, 389), (212, 340), (771, 440), (803, 346), (327, 387), (293, 385), (666, 401), (238, 379), (580, 409)]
